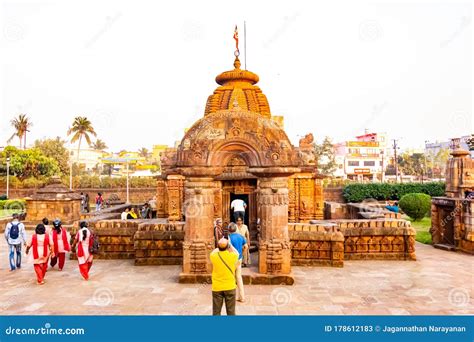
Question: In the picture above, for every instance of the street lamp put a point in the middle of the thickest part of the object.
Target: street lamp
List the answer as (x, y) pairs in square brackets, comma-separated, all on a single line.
[(8, 177), (71, 153), (128, 184), (382, 173)]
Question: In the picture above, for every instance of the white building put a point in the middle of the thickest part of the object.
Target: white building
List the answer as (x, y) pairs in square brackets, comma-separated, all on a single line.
[(88, 157), (364, 158)]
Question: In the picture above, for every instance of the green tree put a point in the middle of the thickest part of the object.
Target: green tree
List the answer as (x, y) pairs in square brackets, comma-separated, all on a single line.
[(29, 163), (21, 124), (81, 128), (412, 164), (325, 157), (56, 149), (143, 152), (99, 145)]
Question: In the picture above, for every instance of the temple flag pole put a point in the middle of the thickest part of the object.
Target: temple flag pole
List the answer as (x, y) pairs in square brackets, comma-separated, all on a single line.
[(245, 45)]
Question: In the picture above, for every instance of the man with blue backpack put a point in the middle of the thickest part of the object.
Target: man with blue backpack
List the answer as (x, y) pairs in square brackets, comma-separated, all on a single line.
[(15, 234)]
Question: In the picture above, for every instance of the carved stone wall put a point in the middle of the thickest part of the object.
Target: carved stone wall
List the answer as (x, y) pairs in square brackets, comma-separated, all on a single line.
[(274, 243), (305, 198), (175, 198), (330, 242), (199, 214), (159, 243)]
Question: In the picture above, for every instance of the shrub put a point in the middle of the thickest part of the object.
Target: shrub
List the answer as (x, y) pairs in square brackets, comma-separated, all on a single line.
[(415, 205), (13, 205), (359, 192)]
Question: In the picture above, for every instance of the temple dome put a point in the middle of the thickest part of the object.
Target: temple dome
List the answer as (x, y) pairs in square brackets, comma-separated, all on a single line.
[(238, 86)]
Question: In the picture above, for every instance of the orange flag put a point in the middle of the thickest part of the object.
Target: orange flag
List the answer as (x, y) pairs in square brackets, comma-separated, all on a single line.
[(236, 37)]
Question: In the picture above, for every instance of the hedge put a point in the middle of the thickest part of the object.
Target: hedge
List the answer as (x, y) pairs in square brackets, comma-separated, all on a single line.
[(17, 205), (388, 191), (83, 182)]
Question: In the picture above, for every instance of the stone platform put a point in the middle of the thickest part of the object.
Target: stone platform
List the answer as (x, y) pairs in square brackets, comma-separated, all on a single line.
[(437, 283)]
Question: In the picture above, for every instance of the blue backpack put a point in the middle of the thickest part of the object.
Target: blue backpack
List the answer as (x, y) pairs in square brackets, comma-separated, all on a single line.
[(14, 231)]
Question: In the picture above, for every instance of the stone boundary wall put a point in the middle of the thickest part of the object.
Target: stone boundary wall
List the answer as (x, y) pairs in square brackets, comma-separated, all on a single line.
[(337, 211), (149, 242), (381, 239), (331, 194), (137, 195), (159, 243), (316, 245)]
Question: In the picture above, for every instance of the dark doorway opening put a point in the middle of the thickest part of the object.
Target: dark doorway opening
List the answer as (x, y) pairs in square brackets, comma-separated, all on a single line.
[(245, 198), (447, 225)]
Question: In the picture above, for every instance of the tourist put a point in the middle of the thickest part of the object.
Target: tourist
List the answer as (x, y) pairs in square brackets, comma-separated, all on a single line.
[(145, 212), (238, 206), (99, 201), (218, 231), (224, 259), (393, 207), (83, 202), (84, 256), (124, 214), (243, 230), (45, 222), (42, 247), (240, 244), (15, 234), (86, 202), (132, 214), (153, 207), (60, 238)]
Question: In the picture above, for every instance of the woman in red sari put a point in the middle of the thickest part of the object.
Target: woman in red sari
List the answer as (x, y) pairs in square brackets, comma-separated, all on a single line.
[(84, 256), (60, 238), (42, 248)]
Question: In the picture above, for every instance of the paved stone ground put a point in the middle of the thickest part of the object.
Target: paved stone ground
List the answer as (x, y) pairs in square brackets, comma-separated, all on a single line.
[(438, 283)]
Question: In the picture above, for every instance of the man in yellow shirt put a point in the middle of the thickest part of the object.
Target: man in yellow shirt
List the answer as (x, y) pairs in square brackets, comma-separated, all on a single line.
[(224, 259)]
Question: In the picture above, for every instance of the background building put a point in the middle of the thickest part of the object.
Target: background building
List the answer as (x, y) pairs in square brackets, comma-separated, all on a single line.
[(364, 158)]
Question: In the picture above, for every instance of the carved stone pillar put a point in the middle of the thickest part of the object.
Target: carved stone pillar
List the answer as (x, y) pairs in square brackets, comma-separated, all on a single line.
[(161, 198), (174, 185), (199, 221), (274, 243)]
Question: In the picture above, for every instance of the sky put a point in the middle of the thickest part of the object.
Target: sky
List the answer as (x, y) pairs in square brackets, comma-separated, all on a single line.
[(141, 71)]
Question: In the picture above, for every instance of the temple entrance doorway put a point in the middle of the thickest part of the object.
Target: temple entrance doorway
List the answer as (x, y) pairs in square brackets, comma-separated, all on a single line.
[(244, 189), (245, 198)]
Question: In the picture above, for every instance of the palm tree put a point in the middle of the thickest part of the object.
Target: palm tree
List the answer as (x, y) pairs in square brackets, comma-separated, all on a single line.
[(143, 152), (21, 124), (99, 145), (81, 128)]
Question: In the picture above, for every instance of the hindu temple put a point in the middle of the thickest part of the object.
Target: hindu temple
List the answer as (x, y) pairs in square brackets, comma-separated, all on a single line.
[(452, 216), (239, 150)]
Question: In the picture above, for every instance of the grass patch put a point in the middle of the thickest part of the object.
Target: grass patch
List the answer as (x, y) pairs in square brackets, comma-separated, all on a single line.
[(422, 228)]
